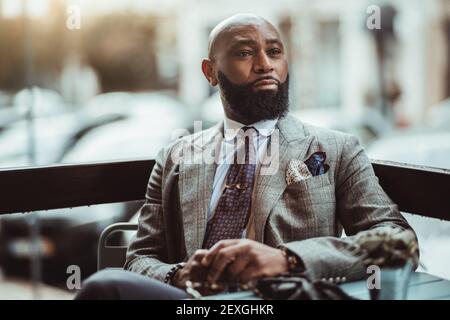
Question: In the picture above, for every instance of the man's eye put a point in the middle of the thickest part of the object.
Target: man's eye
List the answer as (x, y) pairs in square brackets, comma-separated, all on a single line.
[(244, 53), (274, 52)]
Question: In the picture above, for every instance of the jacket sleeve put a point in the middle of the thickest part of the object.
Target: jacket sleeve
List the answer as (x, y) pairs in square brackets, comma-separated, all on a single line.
[(147, 250), (361, 205)]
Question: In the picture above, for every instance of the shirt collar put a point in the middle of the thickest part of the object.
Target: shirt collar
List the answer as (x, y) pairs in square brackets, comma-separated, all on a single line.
[(232, 127)]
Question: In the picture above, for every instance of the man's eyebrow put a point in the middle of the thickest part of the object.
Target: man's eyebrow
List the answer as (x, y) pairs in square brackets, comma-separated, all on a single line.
[(242, 42), (250, 42), (274, 41)]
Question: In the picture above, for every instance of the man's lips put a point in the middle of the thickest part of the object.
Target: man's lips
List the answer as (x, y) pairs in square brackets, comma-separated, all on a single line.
[(266, 84)]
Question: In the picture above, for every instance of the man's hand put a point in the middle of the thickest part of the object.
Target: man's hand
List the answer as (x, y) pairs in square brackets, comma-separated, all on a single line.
[(193, 270), (243, 260)]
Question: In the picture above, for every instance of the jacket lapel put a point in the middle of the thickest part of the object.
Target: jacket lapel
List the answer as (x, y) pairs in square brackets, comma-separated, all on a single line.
[(293, 144), (195, 183)]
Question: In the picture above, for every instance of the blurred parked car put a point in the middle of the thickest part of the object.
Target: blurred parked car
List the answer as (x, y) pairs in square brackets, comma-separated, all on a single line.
[(8, 115), (53, 124), (148, 124), (421, 147), (51, 134), (45, 102), (367, 126), (439, 116)]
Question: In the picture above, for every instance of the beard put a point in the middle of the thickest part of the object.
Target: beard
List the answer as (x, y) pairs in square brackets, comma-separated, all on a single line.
[(255, 106)]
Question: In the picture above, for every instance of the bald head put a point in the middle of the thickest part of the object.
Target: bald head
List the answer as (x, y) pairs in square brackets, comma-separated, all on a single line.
[(233, 25)]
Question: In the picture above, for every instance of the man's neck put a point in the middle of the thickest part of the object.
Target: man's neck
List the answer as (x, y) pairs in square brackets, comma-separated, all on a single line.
[(265, 127)]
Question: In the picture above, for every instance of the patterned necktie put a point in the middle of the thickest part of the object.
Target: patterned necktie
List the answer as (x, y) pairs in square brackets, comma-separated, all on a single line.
[(233, 208)]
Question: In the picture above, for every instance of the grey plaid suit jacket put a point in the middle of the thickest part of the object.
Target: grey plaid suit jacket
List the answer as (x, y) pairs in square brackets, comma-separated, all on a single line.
[(306, 217)]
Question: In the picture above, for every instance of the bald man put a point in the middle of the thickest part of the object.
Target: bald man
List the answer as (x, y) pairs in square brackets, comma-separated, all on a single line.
[(237, 221)]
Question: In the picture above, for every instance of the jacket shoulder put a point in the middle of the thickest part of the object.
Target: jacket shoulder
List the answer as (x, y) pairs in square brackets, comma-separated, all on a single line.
[(322, 134)]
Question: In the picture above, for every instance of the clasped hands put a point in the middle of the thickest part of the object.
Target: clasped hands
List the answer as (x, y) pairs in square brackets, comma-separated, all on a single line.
[(238, 260)]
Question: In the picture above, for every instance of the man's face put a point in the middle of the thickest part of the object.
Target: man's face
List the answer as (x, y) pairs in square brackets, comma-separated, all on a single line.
[(252, 72), (252, 55)]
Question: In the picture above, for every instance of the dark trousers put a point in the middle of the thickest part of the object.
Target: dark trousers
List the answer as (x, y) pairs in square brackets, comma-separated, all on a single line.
[(125, 285)]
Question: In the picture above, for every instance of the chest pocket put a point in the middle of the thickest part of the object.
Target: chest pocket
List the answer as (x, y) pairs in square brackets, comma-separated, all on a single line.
[(315, 193), (306, 209), (311, 183)]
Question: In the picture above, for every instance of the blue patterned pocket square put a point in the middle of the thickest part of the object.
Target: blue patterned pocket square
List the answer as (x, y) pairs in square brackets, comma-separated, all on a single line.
[(316, 163)]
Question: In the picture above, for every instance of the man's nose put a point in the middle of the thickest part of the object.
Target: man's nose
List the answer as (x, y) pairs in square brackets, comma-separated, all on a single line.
[(262, 63)]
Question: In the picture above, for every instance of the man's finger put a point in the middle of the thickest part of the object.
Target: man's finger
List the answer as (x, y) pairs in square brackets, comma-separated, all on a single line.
[(197, 272), (199, 255), (238, 266), (221, 260), (208, 259)]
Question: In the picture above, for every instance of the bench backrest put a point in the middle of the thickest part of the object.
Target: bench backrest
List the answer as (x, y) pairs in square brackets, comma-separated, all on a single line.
[(418, 190)]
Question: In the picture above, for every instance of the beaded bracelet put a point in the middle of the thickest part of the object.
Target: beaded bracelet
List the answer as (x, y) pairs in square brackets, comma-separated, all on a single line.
[(294, 263), (172, 271)]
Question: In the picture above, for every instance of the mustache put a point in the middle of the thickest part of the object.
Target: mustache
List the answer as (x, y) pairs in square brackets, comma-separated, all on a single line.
[(266, 78)]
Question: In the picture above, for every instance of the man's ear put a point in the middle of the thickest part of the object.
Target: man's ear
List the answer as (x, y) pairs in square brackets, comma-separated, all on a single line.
[(208, 71)]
